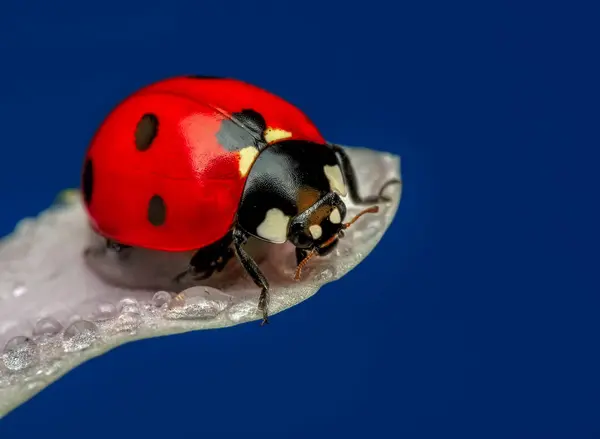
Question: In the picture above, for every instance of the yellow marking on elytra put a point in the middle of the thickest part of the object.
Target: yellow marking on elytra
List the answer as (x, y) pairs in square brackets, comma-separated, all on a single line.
[(274, 134), (247, 156)]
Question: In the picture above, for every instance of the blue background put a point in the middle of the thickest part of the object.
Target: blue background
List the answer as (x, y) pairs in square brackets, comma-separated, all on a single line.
[(477, 315)]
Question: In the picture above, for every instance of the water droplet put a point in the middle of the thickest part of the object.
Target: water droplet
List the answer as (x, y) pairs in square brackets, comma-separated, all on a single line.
[(79, 335), (375, 226), (48, 326), (19, 290), (343, 252), (128, 322), (35, 385), (53, 368), (160, 298), (243, 311), (177, 301), (19, 353), (198, 303), (324, 274), (129, 305), (201, 309), (104, 311)]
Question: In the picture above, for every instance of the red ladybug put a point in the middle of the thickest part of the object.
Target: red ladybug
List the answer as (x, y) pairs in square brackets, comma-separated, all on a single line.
[(203, 163)]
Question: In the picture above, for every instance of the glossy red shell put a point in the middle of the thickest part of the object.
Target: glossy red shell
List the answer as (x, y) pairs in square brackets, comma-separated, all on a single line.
[(198, 180)]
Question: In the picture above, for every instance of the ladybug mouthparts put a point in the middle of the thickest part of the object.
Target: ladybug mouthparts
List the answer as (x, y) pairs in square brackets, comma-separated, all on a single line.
[(334, 238)]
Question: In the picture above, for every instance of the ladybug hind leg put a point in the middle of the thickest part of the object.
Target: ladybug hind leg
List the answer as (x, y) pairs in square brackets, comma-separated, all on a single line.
[(352, 181), (208, 260), (123, 251), (116, 246)]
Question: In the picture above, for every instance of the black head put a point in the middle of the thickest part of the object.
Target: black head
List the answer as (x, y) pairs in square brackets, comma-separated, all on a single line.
[(293, 193), (316, 225)]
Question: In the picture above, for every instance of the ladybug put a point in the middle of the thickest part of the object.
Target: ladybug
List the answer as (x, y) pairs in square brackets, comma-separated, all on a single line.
[(202, 164)]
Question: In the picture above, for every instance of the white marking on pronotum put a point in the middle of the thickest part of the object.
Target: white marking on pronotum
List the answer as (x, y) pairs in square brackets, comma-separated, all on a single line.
[(315, 231), (336, 179), (274, 227), (335, 216)]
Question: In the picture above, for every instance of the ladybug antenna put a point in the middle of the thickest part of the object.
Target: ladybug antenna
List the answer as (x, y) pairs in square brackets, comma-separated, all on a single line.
[(302, 264), (373, 209)]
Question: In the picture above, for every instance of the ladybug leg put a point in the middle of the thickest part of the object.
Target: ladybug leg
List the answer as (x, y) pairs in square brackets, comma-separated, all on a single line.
[(209, 259), (352, 180), (121, 250), (202, 268), (115, 246), (239, 239)]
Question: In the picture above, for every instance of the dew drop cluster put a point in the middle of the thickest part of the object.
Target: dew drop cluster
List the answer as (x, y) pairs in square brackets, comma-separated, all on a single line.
[(51, 340)]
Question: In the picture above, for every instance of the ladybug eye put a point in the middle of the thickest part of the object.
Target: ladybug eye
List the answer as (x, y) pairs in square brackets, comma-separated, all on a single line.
[(302, 239)]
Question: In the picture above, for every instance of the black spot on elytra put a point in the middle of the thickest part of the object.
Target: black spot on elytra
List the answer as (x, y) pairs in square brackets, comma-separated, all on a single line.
[(157, 211), (145, 131), (204, 77), (88, 181), (245, 128), (251, 119)]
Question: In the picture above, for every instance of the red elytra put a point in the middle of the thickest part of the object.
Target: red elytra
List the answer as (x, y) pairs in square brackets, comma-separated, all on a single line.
[(167, 167)]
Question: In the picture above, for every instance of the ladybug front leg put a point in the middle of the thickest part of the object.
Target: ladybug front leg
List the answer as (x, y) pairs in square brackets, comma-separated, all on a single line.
[(352, 183), (251, 267)]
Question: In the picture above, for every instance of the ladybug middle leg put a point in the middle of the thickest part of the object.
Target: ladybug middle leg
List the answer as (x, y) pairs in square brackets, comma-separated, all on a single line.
[(352, 183), (209, 259)]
